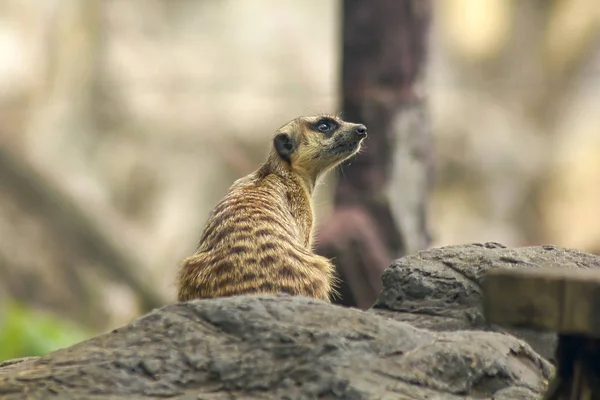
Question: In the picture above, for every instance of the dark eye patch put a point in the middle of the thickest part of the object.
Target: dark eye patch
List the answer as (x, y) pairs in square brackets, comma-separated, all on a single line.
[(325, 125)]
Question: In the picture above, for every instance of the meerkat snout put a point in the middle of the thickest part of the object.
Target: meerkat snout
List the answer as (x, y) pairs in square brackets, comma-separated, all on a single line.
[(349, 141)]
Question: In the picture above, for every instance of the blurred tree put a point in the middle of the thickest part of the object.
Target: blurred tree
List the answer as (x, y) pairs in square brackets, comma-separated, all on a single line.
[(380, 199), (64, 248), (74, 233), (519, 163)]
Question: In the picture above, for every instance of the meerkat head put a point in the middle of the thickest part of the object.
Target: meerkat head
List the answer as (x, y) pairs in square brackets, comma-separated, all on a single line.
[(313, 145)]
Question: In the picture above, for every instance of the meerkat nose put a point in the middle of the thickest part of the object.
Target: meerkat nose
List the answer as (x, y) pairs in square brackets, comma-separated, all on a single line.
[(361, 130)]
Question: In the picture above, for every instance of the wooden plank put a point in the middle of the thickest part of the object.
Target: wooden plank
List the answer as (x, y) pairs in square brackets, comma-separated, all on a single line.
[(565, 301)]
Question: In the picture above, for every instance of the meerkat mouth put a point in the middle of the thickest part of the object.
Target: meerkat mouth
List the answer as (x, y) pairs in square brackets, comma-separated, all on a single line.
[(349, 144), (347, 147)]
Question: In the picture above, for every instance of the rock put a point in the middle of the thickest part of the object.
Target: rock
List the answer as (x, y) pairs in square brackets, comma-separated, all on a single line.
[(440, 289), (424, 338), (280, 347)]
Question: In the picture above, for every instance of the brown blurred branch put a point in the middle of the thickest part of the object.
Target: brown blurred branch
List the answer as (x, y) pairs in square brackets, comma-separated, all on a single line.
[(72, 224), (375, 219)]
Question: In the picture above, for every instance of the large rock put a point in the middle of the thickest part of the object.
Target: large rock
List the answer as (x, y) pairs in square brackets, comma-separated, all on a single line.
[(440, 289), (434, 345), (279, 347)]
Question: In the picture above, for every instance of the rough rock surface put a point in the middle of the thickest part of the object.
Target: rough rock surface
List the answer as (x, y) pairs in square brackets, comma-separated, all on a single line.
[(440, 289), (435, 345), (280, 347)]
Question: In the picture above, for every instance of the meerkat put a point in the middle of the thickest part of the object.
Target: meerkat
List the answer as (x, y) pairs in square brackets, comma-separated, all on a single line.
[(259, 238)]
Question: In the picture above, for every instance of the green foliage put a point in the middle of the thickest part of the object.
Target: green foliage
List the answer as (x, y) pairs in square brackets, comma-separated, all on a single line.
[(25, 332)]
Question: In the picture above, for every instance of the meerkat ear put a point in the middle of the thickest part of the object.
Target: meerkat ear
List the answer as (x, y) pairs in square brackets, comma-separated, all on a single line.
[(284, 146)]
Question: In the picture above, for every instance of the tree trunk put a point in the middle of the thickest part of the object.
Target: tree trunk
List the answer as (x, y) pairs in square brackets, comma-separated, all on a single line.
[(380, 198)]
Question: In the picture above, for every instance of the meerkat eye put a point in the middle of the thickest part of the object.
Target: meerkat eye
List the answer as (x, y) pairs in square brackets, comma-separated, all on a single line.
[(326, 126)]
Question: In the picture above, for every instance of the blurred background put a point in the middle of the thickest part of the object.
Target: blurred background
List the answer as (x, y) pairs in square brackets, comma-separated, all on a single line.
[(122, 124)]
